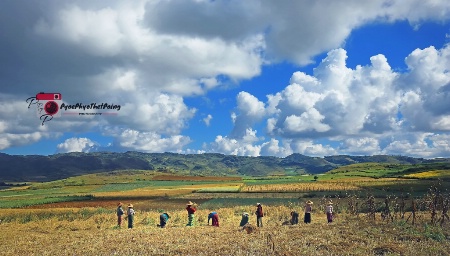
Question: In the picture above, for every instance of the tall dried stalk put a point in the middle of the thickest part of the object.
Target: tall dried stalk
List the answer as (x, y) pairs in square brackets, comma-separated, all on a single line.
[(371, 209), (414, 208), (386, 213)]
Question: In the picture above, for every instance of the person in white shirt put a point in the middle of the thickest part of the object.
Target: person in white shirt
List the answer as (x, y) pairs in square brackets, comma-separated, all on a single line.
[(329, 210), (130, 216), (308, 210)]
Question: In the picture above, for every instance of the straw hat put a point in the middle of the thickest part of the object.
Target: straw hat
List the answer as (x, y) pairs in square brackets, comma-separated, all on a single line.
[(330, 202), (119, 204), (309, 202), (258, 203), (190, 203), (130, 206), (245, 213)]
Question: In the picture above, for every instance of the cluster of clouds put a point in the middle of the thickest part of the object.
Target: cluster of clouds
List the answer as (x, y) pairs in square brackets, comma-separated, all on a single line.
[(367, 110), (148, 56)]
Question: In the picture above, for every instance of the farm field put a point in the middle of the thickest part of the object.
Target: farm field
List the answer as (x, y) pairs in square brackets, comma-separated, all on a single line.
[(92, 232), (379, 210)]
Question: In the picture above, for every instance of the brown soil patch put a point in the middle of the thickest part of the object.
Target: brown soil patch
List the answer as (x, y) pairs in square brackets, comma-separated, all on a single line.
[(195, 178)]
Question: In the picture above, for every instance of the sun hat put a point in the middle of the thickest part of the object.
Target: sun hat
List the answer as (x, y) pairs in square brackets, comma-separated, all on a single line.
[(190, 203), (309, 202), (330, 202), (258, 203), (119, 204), (130, 206), (245, 213)]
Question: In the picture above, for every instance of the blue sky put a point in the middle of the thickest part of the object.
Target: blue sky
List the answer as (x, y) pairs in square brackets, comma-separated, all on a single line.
[(234, 77)]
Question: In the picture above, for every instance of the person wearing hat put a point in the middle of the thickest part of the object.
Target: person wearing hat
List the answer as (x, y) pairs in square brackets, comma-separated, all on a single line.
[(163, 218), (130, 215), (308, 210), (215, 219), (119, 212), (259, 214), (244, 219), (329, 210), (191, 208)]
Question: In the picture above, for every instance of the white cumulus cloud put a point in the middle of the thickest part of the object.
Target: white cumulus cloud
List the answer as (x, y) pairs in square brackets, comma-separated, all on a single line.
[(366, 110), (128, 139), (77, 145)]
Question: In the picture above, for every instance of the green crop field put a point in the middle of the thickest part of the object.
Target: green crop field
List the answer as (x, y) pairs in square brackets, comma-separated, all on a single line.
[(361, 179)]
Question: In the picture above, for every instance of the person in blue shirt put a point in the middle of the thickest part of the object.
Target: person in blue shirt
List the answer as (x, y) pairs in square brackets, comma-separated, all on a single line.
[(120, 212), (163, 218), (215, 219)]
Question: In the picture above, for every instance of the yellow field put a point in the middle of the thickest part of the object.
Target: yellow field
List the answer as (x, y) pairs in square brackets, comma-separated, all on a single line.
[(301, 187), (356, 180), (430, 174), (165, 191)]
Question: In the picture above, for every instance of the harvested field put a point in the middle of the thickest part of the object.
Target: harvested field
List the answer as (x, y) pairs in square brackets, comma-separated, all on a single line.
[(139, 203), (91, 233)]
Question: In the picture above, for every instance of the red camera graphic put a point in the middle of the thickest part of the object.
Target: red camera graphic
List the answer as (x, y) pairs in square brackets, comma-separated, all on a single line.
[(48, 103)]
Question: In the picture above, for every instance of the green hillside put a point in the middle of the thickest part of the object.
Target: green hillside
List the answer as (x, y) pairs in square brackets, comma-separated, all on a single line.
[(19, 168)]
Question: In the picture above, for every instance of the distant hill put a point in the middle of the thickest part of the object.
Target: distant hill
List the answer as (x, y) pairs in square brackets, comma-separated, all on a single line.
[(18, 168)]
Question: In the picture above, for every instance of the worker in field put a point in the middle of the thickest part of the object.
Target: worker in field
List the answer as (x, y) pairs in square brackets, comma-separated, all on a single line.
[(244, 219), (215, 219), (329, 211), (308, 210), (130, 215), (163, 219), (294, 218), (191, 208), (120, 213), (259, 214)]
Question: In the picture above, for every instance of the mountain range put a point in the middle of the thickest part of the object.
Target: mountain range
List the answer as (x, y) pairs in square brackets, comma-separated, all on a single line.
[(19, 168)]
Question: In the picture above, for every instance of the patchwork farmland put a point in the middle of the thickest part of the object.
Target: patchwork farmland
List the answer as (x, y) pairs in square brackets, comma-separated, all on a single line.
[(395, 214)]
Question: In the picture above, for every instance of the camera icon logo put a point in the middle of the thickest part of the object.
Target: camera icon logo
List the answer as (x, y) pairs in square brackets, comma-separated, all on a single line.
[(48, 104)]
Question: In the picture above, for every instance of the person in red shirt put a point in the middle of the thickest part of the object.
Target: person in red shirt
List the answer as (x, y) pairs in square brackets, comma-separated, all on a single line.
[(259, 214), (191, 208)]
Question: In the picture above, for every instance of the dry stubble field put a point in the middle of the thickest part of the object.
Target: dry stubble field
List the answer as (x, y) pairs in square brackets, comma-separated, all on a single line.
[(94, 233)]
